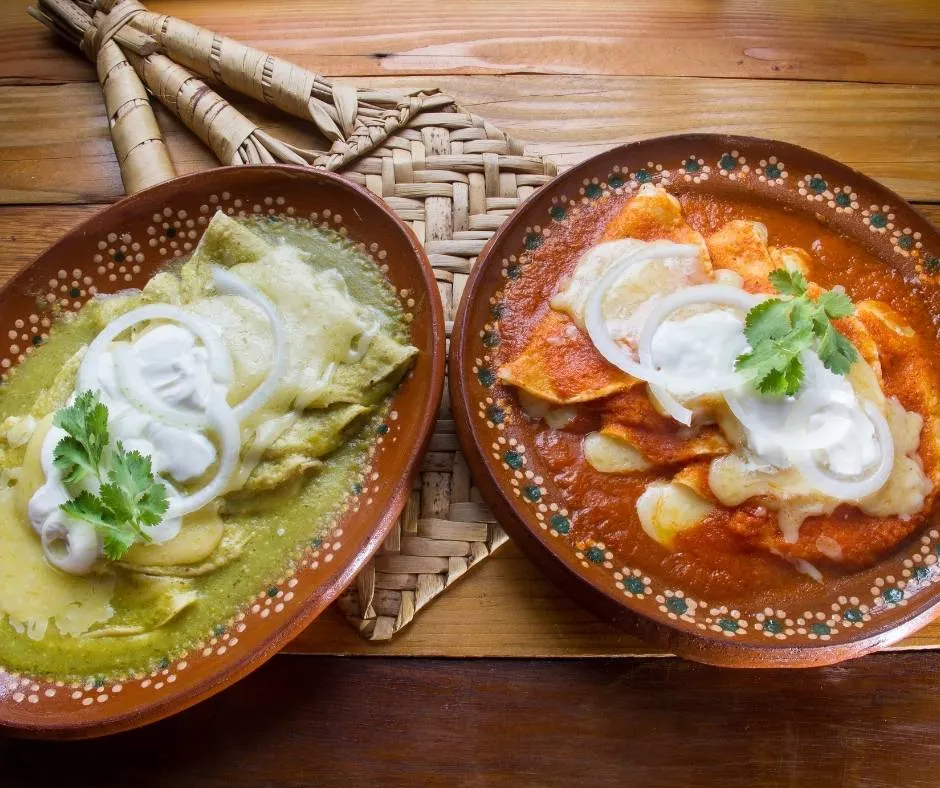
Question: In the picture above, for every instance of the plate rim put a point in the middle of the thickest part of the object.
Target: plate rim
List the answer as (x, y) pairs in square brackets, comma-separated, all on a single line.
[(561, 568), (55, 724)]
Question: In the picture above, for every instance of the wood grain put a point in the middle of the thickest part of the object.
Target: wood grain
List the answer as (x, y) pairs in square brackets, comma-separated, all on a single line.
[(55, 148), (345, 722), (806, 40), (504, 608)]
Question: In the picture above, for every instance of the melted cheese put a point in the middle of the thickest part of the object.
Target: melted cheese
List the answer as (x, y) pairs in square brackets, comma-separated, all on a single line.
[(246, 333), (537, 408), (737, 477), (608, 454), (320, 318), (636, 292), (196, 541), (33, 593), (666, 509)]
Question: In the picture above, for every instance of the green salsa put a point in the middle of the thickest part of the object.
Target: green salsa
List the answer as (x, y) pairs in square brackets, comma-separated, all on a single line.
[(269, 528)]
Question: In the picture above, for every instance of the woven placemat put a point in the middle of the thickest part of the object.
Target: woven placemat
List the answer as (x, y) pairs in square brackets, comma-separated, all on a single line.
[(452, 176)]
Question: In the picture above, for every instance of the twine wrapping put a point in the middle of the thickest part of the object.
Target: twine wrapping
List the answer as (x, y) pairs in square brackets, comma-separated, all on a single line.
[(333, 109)]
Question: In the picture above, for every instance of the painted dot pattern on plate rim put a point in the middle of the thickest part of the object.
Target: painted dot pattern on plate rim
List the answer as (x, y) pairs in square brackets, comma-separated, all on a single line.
[(117, 264), (845, 613)]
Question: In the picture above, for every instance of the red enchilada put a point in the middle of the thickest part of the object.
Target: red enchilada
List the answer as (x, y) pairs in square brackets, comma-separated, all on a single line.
[(816, 457)]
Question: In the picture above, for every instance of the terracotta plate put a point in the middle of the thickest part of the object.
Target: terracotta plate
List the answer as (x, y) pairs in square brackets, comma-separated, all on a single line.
[(861, 612), (122, 247)]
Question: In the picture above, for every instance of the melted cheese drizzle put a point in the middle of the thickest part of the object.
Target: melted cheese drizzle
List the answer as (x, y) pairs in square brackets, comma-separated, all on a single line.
[(698, 341), (325, 328)]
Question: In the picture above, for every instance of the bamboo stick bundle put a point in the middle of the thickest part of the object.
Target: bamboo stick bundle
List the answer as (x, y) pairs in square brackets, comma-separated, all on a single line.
[(232, 137), (138, 143), (337, 110), (356, 122)]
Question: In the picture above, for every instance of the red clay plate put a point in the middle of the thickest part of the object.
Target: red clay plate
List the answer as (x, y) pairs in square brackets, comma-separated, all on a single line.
[(122, 247), (860, 613)]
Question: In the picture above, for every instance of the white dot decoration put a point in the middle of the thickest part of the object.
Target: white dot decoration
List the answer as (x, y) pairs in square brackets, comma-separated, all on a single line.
[(117, 260)]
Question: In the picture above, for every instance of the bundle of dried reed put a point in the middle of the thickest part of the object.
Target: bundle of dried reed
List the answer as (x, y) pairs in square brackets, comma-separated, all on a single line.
[(138, 143), (232, 137), (354, 121)]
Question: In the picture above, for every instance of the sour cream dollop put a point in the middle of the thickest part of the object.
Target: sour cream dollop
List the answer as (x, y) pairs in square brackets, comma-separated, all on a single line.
[(164, 389), (175, 368), (688, 343)]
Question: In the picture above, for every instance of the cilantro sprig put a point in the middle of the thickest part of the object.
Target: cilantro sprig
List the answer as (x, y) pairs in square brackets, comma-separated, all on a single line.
[(129, 497), (780, 329)]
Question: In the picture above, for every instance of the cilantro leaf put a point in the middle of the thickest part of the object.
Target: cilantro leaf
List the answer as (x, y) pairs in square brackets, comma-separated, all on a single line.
[(779, 330), (785, 381), (71, 458), (836, 352), (791, 283), (129, 496), (775, 364), (118, 535), (117, 541), (768, 320), (835, 304), (86, 423), (90, 508), (139, 497)]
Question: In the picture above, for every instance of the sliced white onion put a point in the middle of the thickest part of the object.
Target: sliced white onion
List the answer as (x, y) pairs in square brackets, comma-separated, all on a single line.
[(220, 362), (228, 283), (719, 295), (363, 343), (265, 436), (853, 489), (670, 405), (133, 385), (70, 545), (223, 419), (594, 317)]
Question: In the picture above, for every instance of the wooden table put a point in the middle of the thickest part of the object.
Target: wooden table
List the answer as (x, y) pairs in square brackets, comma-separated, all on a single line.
[(859, 82)]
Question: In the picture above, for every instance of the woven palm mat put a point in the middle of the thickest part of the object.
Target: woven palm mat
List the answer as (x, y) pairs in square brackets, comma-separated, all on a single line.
[(454, 178)]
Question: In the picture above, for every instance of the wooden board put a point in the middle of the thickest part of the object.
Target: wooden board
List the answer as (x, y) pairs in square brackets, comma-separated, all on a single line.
[(887, 131), (595, 75), (878, 42), (519, 723)]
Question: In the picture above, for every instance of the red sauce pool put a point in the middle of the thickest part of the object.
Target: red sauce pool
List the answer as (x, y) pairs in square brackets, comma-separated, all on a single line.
[(710, 560)]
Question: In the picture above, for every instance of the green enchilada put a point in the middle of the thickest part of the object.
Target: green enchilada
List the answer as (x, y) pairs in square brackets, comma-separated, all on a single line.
[(167, 451)]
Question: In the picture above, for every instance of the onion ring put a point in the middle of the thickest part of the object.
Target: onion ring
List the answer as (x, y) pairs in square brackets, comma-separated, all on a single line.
[(229, 284), (853, 489)]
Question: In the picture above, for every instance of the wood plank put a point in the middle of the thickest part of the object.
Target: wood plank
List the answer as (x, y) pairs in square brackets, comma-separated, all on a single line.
[(334, 722), (503, 608), (54, 144), (807, 40)]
